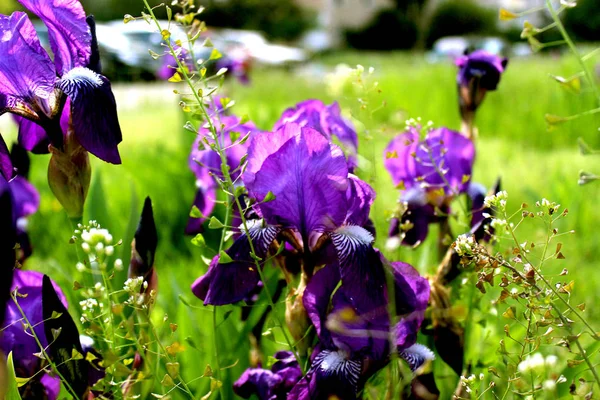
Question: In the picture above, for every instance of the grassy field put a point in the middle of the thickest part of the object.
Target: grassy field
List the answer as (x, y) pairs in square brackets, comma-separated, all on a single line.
[(513, 143)]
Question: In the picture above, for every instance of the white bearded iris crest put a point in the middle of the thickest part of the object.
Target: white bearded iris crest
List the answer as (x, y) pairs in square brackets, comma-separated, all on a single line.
[(79, 78), (337, 363)]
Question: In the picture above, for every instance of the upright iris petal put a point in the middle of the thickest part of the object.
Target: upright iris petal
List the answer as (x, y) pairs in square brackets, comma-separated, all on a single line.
[(307, 174), (327, 120), (429, 173)]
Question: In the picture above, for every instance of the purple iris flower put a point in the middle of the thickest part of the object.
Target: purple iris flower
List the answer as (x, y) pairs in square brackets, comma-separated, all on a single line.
[(206, 163), (50, 94), (273, 384), (236, 67), (478, 73), (23, 346), (353, 346), (319, 209), (169, 65), (326, 119), (24, 198), (429, 173)]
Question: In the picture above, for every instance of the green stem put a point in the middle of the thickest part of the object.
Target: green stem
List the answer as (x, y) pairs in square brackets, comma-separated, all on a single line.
[(573, 48), (226, 176)]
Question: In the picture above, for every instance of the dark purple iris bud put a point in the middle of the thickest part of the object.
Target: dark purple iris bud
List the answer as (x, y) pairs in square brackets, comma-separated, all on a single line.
[(143, 249), (273, 384), (16, 338), (429, 173), (205, 163), (481, 216), (328, 120), (478, 73), (353, 345), (36, 88)]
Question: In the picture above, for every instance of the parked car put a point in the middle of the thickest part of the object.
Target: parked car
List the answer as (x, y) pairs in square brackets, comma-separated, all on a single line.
[(455, 46)]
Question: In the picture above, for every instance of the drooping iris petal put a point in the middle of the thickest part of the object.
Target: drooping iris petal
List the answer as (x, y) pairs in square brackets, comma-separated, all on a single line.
[(360, 197), (6, 166), (93, 112), (271, 384), (361, 270), (226, 283), (416, 355), (482, 65), (68, 31), (412, 296), (334, 373), (27, 74), (307, 175), (14, 338), (26, 199), (316, 298), (477, 193), (258, 381), (327, 120)]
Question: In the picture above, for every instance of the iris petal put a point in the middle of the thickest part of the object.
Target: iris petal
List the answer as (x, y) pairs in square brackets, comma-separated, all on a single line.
[(6, 167), (93, 112), (416, 355), (68, 31), (232, 282)]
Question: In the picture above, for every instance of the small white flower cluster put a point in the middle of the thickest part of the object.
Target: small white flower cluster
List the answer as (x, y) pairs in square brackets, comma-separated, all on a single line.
[(550, 207), (537, 362), (464, 245), (89, 307), (498, 223), (133, 286), (466, 382), (97, 243), (497, 200)]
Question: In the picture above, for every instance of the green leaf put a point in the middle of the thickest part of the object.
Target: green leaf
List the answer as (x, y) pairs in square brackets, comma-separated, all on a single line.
[(199, 241), (269, 197), (224, 258), (244, 119), (12, 391), (215, 223), (196, 213), (96, 204), (175, 78), (585, 148), (572, 84), (215, 54), (169, 13), (506, 15)]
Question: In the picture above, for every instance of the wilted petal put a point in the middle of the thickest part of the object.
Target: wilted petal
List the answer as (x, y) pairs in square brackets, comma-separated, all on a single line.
[(93, 112), (307, 175), (68, 31), (360, 197), (232, 282), (27, 75)]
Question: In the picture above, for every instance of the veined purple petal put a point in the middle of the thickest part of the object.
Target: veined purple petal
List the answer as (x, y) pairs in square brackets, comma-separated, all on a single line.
[(334, 374), (480, 64), (93, 112), (360, 197), (68, 32), (26, 199), (14, 338), (258, 381), (27, 75), (444, 160), (307, 175), (6, 167), (32, 136), (325, 119), (416, 355), (232, 282)]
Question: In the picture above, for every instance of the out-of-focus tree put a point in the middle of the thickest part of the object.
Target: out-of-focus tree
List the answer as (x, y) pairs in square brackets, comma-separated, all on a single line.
[(279, 19), (584, 20), (389, 30), (461, 17)]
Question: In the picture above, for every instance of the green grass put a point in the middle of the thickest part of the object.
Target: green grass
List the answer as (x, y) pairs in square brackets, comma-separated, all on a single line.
[(513, 143)]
